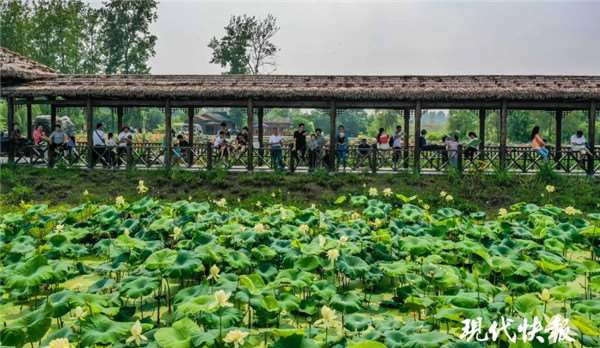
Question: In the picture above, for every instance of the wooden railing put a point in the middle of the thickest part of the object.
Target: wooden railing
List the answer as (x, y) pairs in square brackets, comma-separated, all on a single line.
[(520, 159)]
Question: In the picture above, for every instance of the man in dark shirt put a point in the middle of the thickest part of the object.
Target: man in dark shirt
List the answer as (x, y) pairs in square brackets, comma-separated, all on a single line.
[(299, 149), (422, 140)]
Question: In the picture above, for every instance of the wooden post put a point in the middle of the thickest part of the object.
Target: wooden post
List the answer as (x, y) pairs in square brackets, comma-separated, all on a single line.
[(558, 142), (459, 159), (406, 135), (482, 114), (261, 150), (52, 117), (89, 117), (592, 137), (417, 163), (332, 119), (503, 131), (29, 119), (119, 119), (190, 153), (250, 113), (168, 137), (10, 101)]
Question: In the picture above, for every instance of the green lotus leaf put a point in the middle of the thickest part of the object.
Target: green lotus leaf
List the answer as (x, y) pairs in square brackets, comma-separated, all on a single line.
[(353, 266), (186, 264), (585, 325), (138, 286), (347, 302), (161, 260), (179, 335), (415, 246), (31, 273), (253, 283), (270, 304), (588, 307), (564, 292), (263, 253), (34, 324), (60, 302), (295, 341), (340, 200), (527, 303), (294, 278), (288, 302), (357, 322), (307, 263), (100, 330), (237, 259), (101, 285)]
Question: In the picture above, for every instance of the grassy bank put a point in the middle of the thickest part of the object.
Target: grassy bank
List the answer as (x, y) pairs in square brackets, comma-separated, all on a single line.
[(471, 192)]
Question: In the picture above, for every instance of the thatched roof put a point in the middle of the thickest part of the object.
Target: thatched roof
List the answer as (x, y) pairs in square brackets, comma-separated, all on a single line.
[(16, 68), (304, 87)]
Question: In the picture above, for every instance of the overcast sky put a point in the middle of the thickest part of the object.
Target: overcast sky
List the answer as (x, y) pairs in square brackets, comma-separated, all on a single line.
[(393, 37)]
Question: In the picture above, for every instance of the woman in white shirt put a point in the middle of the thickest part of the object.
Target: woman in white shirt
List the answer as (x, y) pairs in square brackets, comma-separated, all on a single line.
[(276, 142)]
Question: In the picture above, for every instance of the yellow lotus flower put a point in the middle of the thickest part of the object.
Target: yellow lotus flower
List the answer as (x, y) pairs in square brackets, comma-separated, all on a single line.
[(443, 194), (221, 203), (426, 206), (373, 191), (214, 272), (258, 204), (59, 343), (355, 216), (545, 295), (141, 187), (322, 241), (136, 334), (449, 198), (235, 337), (177, 233), (550, 188), (502, 212), (85, 192), (120, 201), (59, 228), (303, 228), (387, 192), (222, 299), (260, 228), (79, 313), (273, 194), (333, 254), (571, 211), (189, 197)]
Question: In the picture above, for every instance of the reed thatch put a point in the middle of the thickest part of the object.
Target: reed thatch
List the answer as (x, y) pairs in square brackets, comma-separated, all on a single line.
[(298, 87), (15, 68)]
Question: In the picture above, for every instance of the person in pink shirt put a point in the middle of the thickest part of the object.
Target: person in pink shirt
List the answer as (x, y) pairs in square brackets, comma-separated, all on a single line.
[(38, 135)]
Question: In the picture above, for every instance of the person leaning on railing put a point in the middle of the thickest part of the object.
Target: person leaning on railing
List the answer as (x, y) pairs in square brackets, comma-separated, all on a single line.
[(276, 143), (342, 147), (363, 153), (472, 145), (57, 140), (538, 143), (452, 150), (99, 144), (111, 148), (579, 144), (397, 142), (125, 139)]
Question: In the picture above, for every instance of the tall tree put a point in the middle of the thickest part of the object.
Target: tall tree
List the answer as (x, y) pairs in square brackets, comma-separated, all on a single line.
[(15, 24), (91, 62), (126, 38), (246, 46)]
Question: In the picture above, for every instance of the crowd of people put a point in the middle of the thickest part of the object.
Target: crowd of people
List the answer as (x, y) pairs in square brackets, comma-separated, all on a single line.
[(307, 149)]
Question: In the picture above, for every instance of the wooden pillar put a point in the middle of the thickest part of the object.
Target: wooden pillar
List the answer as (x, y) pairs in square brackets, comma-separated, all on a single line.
[(503, 133), (10, 102), (89, 118), (119, 119), (168, 136), (417, 159), (558, 142), (52, 117), (332, 119), (29, 119), (482, 114), (261, 113), (191, 125), (250, 113), (406, 136), (591, 136)]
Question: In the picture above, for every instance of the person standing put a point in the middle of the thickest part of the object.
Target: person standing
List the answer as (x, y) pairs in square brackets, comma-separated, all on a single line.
[(452, 150), (99, 144), (57, 139), (538, 143), (383, 140), (397, 146), (342, 147), (124, 146), (472, 146), (276, 143), (299, 147), (579, 144)]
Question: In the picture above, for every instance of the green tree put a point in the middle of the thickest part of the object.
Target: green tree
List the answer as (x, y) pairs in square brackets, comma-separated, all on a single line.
[(462, 122), (125, 35), (15, 22), (246, 46), (91, 50)]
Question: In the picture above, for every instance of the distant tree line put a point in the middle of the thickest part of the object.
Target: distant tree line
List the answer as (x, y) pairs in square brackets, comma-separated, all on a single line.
[(74, 37)]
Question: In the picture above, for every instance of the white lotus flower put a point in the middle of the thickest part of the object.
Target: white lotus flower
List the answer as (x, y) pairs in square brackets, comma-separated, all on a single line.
[(221, 203), (260, 228), (79, 313), (333, 254), (177, 233), (141, 187), (449, 198), (59, 228), (322, 241), (343, 239), (120, 201), (235, 337), (303, 228), (571, 211), (373, 191), (387, 192), (355, 216), (85, 192), (222, 299), (502, 212), (136, 334), (550, 188), (443, 194)]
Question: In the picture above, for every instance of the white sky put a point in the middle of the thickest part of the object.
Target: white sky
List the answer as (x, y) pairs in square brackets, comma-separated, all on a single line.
[(393, 37)]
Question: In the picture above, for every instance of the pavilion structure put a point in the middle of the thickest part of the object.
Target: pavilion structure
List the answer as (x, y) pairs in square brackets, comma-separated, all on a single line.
[(25, 82)]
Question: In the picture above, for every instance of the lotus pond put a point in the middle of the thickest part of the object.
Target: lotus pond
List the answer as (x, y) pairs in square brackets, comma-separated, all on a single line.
[(381, 270)]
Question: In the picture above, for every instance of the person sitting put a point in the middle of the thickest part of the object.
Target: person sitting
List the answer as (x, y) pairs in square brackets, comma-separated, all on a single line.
[(57, 140), (472, 146), (38, 135), (124, 139), (538, 143), (422, 140), (396, 143), (579, 144), (363, 151), (111, 147), (220, 144), (99, 144)]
